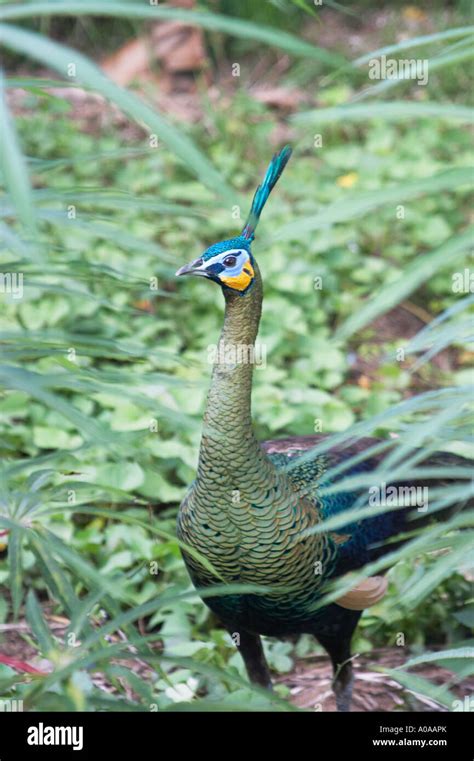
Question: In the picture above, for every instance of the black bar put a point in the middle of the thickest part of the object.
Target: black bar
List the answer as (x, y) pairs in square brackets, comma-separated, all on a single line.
[(304, 735)]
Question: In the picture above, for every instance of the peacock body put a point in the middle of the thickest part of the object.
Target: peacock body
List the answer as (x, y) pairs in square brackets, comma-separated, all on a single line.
[(249, 514)]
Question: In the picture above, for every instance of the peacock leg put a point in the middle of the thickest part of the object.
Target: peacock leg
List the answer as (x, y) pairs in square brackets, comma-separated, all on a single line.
[(251, 650), (342, 686), (340, 653)]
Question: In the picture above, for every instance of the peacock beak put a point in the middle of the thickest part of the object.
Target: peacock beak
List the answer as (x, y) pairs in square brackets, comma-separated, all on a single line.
[(184, 270), (191, 269)]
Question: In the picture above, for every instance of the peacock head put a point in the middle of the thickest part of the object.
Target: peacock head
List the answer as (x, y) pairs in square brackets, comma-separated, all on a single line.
[(230, 262)]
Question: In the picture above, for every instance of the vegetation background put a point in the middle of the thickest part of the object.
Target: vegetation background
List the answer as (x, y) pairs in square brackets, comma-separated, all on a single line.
[(132, 136)]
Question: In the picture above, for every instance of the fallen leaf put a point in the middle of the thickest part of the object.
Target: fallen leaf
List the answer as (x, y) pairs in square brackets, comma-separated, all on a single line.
[(132, 60)]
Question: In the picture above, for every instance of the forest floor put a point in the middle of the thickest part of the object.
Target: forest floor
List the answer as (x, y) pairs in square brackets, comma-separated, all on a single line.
[(309, 683)]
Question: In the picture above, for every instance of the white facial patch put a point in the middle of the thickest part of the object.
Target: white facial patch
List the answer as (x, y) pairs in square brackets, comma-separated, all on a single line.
[(240, 254)]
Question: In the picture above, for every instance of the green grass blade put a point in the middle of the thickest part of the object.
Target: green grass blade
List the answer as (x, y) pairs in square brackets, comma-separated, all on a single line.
[(126, 518), (10, 241), (217, 22), (459, 652), (117, 200), (52, 574), (7, 524), (414, 275), (360, 204), (14, 170), (421, 686), (39, 627), (35, 84), (390, 111), (33, 384), (427, 541), (15, 569), (433, 64), (443, 568), (59, 57), (414, 42), (93, 578)]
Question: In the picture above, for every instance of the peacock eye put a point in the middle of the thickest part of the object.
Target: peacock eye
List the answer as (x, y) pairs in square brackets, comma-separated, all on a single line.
[(229, 261)]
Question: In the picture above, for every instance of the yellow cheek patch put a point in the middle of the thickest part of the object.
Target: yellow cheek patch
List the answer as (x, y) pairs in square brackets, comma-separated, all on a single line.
[(242, 281)]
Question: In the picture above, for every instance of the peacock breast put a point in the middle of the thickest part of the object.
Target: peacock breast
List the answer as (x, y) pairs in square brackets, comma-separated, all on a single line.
[(255, 543)]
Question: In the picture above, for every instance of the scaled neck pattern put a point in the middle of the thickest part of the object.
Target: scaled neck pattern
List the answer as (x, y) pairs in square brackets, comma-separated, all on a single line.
[(243, 513), (228, 420)]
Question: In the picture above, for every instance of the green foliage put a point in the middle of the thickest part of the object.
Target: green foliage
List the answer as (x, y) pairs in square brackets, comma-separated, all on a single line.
[(104, 360)]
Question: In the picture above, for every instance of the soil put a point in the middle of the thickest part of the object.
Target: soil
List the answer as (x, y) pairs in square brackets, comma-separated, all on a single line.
[(309, 683)]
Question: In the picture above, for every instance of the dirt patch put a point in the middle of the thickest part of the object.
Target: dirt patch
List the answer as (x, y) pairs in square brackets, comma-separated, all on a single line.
[(310, 684)]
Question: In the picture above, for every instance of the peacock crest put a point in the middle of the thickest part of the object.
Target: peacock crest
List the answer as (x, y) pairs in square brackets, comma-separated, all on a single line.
[(230, 262)]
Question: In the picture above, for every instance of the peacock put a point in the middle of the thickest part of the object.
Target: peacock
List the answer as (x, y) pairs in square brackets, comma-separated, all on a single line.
[(250, 515)]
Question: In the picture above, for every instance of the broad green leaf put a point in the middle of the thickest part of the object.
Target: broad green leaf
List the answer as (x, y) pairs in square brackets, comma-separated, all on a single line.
[(466, 616), (127, 476)]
